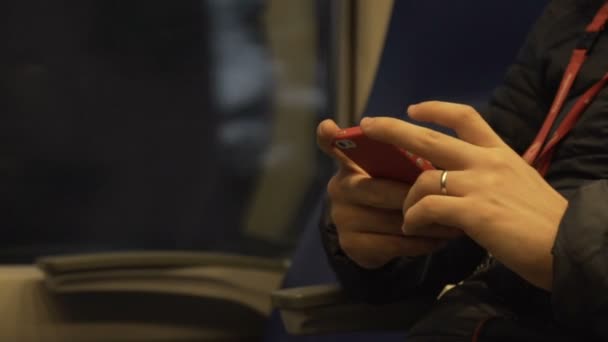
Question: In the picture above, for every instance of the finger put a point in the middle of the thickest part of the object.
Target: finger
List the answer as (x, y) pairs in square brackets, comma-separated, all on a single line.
[(464, 120), (326, 132), (457, 183), (440, 149), (353, 187), (348, 217), (439, 210), (429, 183), (374, 250)]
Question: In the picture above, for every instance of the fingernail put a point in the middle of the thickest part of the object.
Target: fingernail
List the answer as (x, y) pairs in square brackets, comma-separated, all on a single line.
[(366, 121), (411, 108)]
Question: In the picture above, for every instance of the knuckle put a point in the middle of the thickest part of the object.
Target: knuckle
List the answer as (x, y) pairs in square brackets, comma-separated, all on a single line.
[(333, 188), (408, 215), (489, 180), (428, 204), (350, 246), (346, 243), (405, 208), (376, 199), (495, 160), (427, 178), (485, 217), (372, 193), (430, 137), (466, 116), (468, 113), (424, 208), (420, 187), (348, 218), (337, 217), (355, 189), (344, 217)]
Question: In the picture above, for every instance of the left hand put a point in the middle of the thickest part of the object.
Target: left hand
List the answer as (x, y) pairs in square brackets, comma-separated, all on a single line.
[(494, 196)]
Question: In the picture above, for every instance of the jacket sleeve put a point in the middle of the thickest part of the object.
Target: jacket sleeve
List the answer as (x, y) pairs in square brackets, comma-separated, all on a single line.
[(580, 264)]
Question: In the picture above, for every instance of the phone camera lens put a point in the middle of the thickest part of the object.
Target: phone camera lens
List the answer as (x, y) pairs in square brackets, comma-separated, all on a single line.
[(345, 144)]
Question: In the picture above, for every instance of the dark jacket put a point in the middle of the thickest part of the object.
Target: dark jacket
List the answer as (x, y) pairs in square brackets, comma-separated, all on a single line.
[(578, 304)]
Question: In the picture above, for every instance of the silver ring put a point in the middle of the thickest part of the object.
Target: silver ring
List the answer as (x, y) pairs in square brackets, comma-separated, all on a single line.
[(443, 181)]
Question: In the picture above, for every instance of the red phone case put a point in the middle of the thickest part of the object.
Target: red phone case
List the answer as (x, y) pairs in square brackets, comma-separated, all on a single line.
[(379, 159)]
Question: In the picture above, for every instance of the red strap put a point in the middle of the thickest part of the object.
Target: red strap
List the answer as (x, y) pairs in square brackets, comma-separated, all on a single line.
[(570, 120), (599, 22), (576, 62), (540, 156)]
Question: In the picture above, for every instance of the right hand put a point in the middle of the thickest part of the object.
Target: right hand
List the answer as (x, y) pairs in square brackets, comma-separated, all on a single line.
[(368, 212)]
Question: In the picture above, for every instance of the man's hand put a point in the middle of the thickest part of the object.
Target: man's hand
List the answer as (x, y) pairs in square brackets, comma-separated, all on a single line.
[(493, 195), (368, 212)]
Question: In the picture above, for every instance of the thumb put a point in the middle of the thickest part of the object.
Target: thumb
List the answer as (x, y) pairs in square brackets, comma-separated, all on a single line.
[(326, 133)]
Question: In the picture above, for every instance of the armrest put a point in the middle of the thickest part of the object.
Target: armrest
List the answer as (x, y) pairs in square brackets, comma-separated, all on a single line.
[(138, 296), (323, 309), (33, 313), (64, 264), (246, 280)]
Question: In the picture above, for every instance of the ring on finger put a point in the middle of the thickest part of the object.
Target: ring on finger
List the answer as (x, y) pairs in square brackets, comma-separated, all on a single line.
[(443, 182)]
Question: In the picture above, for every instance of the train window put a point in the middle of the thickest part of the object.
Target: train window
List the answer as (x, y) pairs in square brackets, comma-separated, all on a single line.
[(160, 124)]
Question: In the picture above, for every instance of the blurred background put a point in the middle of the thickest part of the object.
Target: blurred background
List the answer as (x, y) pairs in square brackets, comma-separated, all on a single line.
[(145, 128), (161, 124)]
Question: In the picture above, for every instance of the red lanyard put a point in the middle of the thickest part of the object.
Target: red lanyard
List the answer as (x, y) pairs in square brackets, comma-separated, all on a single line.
[(539, 156)]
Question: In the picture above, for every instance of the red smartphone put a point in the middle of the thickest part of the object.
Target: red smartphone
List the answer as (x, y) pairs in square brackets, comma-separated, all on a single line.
[(379, 159)]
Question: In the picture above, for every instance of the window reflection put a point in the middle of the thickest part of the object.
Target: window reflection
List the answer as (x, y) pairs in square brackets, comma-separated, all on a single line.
[(158, 124)]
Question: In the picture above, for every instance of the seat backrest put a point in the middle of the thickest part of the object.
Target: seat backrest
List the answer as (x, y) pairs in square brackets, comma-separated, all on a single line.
[(448, 50), (434, 49)]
